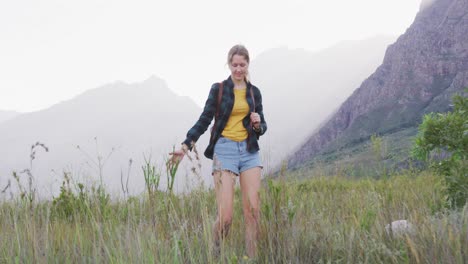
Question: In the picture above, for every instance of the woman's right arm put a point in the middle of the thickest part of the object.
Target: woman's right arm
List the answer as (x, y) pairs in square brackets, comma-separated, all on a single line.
[(205, 118)]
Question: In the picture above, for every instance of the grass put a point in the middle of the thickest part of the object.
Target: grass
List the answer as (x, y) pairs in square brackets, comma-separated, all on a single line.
[(318, 220)]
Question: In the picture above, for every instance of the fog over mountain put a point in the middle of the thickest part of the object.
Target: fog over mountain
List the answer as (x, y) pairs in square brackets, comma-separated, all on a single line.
[(120, 121), (123, 121), (6, 115), (301, 89)]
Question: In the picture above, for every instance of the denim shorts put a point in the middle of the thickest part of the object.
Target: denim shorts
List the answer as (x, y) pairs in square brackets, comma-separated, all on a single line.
[(233, 156)]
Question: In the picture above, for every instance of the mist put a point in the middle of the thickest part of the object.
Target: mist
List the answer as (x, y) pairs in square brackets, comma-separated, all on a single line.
[(94, 80)]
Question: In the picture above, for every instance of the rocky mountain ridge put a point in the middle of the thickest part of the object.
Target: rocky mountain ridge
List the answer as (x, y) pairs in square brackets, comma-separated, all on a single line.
[(300, 89), (419, 74)]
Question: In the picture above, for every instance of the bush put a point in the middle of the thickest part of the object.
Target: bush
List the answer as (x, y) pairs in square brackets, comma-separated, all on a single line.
[(443, 141), (78, 201), (68, 203)]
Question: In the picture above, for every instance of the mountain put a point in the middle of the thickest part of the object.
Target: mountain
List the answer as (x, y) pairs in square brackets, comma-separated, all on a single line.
[(6, 115), (419, 74), (111, 124), (128, 120), (124, 121), (300, 89)]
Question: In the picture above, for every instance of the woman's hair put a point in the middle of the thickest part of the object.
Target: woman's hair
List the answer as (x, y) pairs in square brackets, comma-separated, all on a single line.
[(238, 50)]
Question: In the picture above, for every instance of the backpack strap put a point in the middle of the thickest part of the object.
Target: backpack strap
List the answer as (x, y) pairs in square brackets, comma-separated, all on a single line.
[(253, 98)]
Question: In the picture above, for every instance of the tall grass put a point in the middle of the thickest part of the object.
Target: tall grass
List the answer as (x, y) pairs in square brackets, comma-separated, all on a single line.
[(320, 220)]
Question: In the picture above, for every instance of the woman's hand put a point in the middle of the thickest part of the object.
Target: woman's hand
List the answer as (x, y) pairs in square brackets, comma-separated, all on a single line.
[(178, 155), (255, 118)]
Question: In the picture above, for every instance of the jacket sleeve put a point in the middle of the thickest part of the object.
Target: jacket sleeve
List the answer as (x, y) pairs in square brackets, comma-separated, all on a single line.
[(205, 118), (259, 109)]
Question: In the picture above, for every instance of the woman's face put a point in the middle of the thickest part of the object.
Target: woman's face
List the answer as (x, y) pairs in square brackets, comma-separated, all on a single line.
[(239, 67)]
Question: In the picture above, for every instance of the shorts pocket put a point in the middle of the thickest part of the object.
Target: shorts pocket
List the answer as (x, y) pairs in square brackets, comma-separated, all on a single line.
[(223, 146)]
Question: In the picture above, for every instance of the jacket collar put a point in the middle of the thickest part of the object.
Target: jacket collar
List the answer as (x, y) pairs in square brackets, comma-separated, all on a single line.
[(229, 83)]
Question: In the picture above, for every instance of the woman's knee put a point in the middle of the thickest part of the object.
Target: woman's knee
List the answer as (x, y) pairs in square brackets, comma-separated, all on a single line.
[(225, 220), (251, 214), (223, 225), (226, 224)]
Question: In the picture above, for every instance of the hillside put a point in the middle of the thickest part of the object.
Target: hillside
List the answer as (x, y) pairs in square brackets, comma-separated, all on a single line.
[(419, 74), (300, 89)]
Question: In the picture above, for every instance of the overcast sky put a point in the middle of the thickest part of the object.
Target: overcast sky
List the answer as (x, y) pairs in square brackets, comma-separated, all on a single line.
[(53, 50)]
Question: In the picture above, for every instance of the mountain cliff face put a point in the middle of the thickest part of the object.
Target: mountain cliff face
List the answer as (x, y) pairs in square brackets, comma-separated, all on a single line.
[(299, 85), (419, 74)]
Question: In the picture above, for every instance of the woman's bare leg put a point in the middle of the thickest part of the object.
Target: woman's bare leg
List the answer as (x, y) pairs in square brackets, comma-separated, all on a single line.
[(250, 186), (224, 187)]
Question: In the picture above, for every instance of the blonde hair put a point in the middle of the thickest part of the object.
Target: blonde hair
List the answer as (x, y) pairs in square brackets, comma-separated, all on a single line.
[(238, 50)]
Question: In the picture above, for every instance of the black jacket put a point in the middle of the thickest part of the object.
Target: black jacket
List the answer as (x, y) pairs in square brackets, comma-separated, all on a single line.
[(225, 109)]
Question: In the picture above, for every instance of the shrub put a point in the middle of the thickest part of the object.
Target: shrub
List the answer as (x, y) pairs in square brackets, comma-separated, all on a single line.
[(69, 203), (443, 140)]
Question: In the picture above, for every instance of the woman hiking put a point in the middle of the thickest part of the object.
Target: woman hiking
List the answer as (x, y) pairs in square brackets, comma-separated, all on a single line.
[(236, 106)]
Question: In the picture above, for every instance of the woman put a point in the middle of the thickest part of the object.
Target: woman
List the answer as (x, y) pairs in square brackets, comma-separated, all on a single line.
[(233, 147)]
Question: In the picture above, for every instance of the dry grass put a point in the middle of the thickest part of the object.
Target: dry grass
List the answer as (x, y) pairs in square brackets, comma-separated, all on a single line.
[(320, 220)]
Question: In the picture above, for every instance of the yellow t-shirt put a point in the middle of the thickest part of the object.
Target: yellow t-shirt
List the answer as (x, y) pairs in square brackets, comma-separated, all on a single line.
[(234, 129)]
